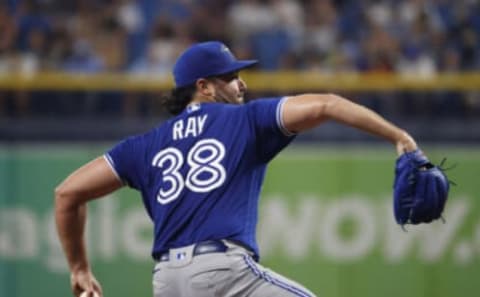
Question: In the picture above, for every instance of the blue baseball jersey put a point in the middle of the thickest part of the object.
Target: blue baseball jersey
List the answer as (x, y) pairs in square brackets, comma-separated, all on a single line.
[(201, 172)]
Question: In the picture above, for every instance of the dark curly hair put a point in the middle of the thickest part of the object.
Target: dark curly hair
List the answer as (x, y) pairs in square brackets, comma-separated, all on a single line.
[(178, 99)]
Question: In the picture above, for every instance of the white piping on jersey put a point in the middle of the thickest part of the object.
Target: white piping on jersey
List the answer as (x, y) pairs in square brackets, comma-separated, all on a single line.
[(111, 164), (279, 117)]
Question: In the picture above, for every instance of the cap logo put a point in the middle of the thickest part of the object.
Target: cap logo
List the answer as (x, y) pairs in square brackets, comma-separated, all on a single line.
[(226, 50)]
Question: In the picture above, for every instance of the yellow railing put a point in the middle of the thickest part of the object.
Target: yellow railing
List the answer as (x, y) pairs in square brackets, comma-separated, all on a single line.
[(258, 81)]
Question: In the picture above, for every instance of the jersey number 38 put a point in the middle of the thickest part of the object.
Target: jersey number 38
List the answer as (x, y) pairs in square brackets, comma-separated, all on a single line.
[(205, 171)]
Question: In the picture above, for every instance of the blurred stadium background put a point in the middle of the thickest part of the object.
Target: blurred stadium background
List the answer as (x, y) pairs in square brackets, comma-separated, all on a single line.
[(77, 76)]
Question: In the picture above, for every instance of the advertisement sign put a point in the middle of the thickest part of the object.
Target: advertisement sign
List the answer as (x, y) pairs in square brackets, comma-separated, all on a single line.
[(326, 221)]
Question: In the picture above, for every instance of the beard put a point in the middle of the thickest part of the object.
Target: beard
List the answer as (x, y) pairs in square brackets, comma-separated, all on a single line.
[(224, 97)]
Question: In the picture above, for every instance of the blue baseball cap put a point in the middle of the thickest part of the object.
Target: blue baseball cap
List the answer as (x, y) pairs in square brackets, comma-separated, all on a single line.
[(206, 59)]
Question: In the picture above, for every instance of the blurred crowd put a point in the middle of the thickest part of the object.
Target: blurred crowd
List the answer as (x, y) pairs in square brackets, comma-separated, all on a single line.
[(145, 36), (411, 37)]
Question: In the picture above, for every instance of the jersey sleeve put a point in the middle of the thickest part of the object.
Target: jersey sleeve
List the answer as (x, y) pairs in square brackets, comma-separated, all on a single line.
[(122, 159), (271, 134)]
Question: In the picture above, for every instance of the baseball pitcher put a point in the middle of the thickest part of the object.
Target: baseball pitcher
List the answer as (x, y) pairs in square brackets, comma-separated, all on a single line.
[(200, 174)]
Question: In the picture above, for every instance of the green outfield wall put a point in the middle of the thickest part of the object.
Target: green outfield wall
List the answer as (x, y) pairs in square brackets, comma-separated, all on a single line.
[(326, 221)]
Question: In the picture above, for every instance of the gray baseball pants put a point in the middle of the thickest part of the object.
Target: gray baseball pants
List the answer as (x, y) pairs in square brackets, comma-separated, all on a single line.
[(230, 274)]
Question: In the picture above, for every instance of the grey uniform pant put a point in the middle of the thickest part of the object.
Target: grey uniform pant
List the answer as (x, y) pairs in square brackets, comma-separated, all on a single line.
[(230, 274)]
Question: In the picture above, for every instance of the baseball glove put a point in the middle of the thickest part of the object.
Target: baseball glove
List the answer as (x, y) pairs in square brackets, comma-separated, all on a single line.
[(420, 189)]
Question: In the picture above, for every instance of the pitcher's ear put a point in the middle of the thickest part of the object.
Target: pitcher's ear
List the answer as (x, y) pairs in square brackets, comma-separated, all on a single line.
[(204, 86)]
